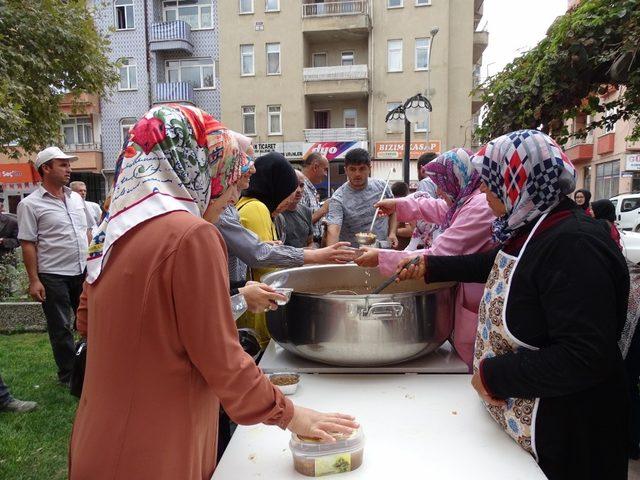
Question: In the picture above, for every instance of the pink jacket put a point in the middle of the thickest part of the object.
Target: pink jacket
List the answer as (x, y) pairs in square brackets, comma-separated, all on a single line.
[(469, 232)]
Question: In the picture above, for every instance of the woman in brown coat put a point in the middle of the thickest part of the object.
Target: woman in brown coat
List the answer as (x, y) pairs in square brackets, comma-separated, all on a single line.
[(163, 349)]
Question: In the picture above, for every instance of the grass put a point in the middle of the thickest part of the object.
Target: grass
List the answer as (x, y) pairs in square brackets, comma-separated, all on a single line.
[(34, 445)]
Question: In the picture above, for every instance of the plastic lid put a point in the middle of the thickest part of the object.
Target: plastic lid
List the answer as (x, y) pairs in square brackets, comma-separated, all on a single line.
[(313, 446)]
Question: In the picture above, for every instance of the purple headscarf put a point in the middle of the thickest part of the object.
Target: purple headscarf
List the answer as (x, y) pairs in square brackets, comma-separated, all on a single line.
[(456, 176)]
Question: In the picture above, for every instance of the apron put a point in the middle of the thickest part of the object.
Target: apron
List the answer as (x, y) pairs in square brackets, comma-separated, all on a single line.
[(493, 338)]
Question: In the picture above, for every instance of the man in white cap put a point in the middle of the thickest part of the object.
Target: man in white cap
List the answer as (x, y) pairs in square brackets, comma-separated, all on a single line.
[(53, 229)]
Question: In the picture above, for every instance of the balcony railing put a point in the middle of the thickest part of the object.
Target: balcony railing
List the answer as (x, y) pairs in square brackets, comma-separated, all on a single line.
[(326, 9), (82, 147), (335, 135), (174, 92), (175, 35), (573, 141), (337, 72)]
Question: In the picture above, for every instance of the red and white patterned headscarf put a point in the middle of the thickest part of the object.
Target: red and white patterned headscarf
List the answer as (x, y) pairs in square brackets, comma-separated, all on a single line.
[(528, 172)]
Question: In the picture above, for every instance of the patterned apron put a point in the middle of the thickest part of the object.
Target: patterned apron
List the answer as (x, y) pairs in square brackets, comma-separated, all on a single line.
[(493, 338)]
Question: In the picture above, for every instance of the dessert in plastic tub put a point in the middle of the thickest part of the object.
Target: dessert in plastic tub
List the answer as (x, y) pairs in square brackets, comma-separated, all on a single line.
[(365, 238), (286, 292), (287, 382), (314, 458)]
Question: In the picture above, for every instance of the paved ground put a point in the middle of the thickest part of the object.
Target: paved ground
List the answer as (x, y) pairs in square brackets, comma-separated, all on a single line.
[(634, 470)]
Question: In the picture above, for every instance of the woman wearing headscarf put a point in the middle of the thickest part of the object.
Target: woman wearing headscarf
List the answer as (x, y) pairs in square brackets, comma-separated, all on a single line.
[(547, 363), (582, 198), (605, 211), (465, 222), (163, 348)]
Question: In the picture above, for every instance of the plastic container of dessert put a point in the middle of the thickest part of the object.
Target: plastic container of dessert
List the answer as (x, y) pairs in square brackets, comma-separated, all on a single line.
[(314, 458), (287, 382)]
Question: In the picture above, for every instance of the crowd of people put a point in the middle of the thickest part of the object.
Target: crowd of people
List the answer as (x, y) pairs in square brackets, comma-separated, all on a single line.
[(545, 315)]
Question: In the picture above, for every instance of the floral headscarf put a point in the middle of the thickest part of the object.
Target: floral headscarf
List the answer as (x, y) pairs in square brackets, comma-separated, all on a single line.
[(529, 173), (456, 176), (176, 158)]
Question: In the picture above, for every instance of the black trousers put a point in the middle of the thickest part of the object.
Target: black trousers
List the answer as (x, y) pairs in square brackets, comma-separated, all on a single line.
[(5, 396), (62, 299)]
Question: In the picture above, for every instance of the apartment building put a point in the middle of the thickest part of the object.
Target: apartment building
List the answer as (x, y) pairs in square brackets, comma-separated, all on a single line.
[(305, 75), (607, 164), (79, 135), (168, 51)]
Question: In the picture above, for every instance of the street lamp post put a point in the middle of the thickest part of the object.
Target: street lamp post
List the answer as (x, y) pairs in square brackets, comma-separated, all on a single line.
[(434, 32), (413, 110)]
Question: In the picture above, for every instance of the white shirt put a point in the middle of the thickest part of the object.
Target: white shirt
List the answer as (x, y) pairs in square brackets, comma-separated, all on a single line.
[(59, 229)]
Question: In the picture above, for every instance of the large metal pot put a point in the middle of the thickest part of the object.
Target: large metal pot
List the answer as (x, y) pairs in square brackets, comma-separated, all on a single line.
[(323, 322)]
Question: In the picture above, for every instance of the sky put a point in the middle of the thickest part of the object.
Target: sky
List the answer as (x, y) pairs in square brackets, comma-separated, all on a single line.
[(514, 27)]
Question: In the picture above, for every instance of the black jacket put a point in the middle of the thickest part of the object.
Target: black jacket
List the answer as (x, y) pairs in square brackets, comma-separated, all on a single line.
[(8, 233), (568, 297)]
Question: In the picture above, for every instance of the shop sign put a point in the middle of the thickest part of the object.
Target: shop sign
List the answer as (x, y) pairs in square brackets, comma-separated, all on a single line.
[(291, 150), (395, 150), (633, 162), (332, 150)]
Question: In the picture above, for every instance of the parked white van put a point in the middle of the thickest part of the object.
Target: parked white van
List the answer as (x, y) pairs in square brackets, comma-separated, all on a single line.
[(627, 211)]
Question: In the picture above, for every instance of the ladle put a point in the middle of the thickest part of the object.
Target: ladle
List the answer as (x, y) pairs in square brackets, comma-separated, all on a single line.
[(393, 278), (386, 184)]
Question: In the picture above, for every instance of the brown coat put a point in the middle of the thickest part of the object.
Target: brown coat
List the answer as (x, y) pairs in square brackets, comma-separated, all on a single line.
[(162, 353)]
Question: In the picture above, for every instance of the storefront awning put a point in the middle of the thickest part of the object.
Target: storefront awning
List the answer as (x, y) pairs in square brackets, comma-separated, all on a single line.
[(18, 175)]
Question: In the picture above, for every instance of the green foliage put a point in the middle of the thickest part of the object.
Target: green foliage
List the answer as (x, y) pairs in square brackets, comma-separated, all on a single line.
[(14, 282), (47, 48), (34, 445), (594, 46)]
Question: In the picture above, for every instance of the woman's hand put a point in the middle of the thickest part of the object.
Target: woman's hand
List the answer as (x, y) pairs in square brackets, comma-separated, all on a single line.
[(387, 206), (393, 240), (368, 257), (260, 297), (309, 423), (476, 382), (411, 272), (339, 253)]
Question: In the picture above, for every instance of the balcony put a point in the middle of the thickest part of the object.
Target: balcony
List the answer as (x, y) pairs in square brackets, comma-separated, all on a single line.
[(480, 43), (313, 135), (343, 17), (174, 92), (347, 81), (606, 143), (579, 149), (171, 36), (89, 156)]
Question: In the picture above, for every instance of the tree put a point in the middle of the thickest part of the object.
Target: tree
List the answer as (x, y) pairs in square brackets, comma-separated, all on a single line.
[(47, 48), (586, 51)]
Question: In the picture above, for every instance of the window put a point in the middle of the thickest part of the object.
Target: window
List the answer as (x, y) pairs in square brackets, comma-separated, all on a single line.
[(394, 3), (394, 55), (124, 14), (272, 6), (422, 53), (629, 204), (197, 13), (273, 59), (128, 74), (249, 120), (322, 119), (77, 131), (350, 116), (246, 6), (319, 60), (198, 72), (420, 3), (587, 178), (126, 124), (347, 58), (610, 128), (246, 60), (607, 179), (391, 106), (275, 119), (422, 126)]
